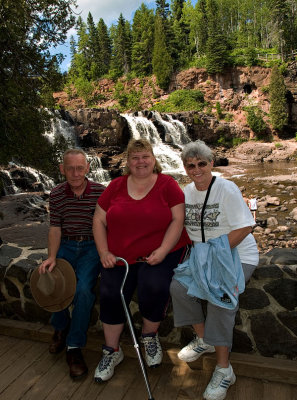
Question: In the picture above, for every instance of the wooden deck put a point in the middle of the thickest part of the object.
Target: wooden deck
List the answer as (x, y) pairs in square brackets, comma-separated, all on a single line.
[(29, 372)]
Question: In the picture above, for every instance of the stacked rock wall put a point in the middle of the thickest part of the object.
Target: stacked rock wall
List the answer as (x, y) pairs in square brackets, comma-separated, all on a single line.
[(266, 322)]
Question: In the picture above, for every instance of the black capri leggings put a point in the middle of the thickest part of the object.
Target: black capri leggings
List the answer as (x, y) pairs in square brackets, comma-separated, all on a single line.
[(152, 282)]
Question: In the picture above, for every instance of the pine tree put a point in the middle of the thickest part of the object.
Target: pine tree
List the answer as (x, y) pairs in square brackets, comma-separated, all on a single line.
[(162, 9), (181, 30), (202, 27), (162, 62), (279, 16), (142, 41), (104, 47), (121, 57), (216, 47), (93, 53), (278, 105)]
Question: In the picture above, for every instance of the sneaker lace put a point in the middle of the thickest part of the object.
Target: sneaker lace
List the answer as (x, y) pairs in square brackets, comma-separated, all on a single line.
[(216, 379), (105, 360), (151, 346), (194, 343)]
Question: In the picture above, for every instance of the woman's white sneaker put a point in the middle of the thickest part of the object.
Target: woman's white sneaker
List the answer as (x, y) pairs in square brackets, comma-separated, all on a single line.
[(152, 350), (110, 359), (220, 382), (194, 350)]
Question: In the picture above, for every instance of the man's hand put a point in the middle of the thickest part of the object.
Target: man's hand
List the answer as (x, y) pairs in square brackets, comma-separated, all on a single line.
[(48, 264)]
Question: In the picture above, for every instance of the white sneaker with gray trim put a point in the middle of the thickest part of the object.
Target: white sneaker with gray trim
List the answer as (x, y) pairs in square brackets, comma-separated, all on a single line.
[(152, 350), (220, 382), (194, 350), (110, 359)]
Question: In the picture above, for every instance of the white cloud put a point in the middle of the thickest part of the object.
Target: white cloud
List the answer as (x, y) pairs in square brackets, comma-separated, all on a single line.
[(109, 10)]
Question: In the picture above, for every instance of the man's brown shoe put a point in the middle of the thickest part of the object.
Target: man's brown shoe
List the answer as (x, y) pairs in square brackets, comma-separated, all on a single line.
[(58, 342), (76, 362)]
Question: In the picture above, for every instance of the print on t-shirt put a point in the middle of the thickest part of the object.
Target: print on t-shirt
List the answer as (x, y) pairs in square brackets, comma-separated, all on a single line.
[(193, 216)]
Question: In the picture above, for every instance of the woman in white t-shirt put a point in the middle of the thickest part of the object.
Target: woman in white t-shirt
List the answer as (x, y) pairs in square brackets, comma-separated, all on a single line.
[(225, 213)]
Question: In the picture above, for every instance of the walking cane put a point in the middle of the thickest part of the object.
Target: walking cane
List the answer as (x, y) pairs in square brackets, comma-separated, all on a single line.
[(136, 345)]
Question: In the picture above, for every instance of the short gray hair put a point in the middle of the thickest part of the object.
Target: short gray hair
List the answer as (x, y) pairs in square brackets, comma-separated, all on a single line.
[(197, 149), (74, 151)]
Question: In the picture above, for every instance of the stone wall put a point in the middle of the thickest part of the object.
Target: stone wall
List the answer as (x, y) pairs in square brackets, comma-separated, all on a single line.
[(266, 322)]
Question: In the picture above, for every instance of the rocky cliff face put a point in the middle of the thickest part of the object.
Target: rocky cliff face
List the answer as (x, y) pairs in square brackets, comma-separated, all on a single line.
[(235, 89)]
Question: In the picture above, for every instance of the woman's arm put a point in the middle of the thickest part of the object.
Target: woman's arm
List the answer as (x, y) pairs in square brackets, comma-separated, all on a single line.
[(171, 236), (108, 260), (236, 236)]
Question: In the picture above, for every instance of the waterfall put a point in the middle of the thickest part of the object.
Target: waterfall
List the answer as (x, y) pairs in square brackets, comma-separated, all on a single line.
[(175, 133), (97, 173), (19, 179), (60, 127), (175, 130)]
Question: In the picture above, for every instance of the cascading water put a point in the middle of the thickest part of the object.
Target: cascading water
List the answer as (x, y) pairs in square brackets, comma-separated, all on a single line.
[(60, 127), (175, 133), (19, 179), (97, 173)]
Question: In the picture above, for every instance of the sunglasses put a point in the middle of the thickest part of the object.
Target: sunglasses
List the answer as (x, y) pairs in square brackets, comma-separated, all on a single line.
[(200, 164)]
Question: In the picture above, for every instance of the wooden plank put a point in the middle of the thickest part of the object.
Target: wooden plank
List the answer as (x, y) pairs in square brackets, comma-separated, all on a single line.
[(279, 391), (48, 381), (119, 384), (82, 388), (170, 382), (23, 361), (138, 390), (6, 343), (22, 329), (194, 385), (246, 365), (14, 353), (30, 376), (246, 388)]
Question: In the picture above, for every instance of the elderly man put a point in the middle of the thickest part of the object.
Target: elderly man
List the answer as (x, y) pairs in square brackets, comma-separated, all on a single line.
[(72, 204)]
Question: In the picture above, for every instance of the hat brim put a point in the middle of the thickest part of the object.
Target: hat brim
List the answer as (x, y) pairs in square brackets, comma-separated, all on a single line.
[(58, 301)]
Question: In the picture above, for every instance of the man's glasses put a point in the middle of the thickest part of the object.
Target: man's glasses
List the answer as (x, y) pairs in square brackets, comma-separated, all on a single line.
[(200, 164)]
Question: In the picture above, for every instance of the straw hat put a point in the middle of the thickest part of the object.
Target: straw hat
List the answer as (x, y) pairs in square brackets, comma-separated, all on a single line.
[(54, 291)]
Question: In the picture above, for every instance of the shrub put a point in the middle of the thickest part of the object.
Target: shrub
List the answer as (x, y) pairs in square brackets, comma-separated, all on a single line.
[(255, 120), (181, 100), (219, 110), (278, 145)]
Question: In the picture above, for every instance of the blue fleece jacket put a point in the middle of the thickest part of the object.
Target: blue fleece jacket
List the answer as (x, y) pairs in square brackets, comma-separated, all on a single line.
[(213, 272)]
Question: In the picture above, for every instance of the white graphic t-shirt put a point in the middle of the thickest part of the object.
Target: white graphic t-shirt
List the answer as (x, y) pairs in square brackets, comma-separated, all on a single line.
[(225, 211)]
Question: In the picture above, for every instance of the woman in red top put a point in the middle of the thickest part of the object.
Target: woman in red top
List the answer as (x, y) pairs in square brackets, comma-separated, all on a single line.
[(139, 217)]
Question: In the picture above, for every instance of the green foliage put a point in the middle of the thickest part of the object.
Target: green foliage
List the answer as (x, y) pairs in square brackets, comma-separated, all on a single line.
[(230, 142), (28, 74), (278, 145), (127, 99), (142, 41), (162, 62), (278, 104), (228, 117), (219, 110), (265, 89), (255, 120), (216, 45), (182, 100)]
